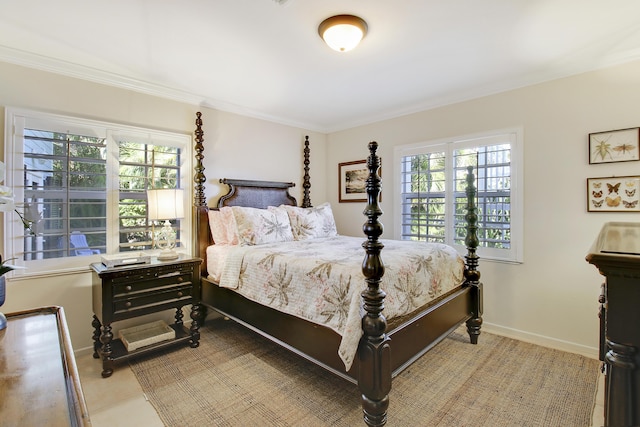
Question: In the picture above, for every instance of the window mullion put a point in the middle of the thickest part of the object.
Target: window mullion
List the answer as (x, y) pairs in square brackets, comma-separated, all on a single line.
[(66, 205), (113, 196)]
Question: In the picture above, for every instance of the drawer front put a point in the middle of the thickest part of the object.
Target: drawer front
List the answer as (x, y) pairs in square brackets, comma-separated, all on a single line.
[(150, 282), (142, 300), (147, 279)]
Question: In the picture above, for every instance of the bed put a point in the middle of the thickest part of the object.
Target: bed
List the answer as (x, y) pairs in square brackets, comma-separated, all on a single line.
[(382, 349)]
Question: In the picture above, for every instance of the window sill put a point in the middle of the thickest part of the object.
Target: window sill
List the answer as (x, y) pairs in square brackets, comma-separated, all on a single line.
[(19, 275), (62, 266)]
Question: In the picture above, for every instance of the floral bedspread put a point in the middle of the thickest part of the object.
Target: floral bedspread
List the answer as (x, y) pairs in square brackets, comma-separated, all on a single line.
[(320, 280)]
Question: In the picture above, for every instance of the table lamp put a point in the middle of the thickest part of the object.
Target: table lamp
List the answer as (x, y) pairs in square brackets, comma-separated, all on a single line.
[(165, 204)]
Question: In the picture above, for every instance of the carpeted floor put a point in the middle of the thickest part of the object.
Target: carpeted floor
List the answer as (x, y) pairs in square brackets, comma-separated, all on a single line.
[(238, 378)]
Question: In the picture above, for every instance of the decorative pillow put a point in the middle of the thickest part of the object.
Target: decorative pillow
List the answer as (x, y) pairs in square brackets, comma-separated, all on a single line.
[(223, 226), (312, 223), (218, 230), (259, 226)]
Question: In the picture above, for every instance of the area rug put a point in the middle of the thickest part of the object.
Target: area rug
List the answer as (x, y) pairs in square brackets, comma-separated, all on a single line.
[(238, 378)]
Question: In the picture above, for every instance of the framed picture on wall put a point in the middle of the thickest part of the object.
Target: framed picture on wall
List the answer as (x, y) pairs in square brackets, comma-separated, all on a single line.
[(614, 146), (614, 194), (352, 181)]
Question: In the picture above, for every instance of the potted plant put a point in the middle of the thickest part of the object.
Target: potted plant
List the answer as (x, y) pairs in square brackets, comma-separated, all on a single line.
[(4, 268), (30, 219)]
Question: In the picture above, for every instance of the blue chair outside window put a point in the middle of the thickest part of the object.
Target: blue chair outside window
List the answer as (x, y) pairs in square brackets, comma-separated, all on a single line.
[(80, 245)]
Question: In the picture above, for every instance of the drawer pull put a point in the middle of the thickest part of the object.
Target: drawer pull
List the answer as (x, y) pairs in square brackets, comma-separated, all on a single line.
[(127, 304), (128, 288), (180, 279), (180, 294)]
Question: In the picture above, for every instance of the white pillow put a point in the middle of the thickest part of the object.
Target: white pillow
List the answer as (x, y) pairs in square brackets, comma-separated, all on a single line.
[(259, 226), (312, 223), (223, 227)]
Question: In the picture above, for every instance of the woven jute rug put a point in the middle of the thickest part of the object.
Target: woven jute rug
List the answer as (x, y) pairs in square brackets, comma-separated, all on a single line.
[(238, 378)]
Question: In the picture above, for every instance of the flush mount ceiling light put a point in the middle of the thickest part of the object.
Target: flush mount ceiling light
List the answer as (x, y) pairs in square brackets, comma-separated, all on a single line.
[(342, 32)]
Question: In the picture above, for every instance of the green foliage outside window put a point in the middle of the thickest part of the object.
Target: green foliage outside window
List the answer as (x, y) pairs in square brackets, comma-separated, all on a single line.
[(425, 192)]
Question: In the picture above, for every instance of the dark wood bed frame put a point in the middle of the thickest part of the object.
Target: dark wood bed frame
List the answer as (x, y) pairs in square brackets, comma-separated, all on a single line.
[(383, 352)]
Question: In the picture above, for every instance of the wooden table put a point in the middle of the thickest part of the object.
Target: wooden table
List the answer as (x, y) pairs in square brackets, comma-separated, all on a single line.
[(39, 382)]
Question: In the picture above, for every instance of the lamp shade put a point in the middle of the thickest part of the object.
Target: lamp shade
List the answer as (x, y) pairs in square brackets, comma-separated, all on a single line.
[(342, 32), (165, 203)]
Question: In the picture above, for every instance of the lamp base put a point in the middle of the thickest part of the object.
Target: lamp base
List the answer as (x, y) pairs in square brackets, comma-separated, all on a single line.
[(167, 254)]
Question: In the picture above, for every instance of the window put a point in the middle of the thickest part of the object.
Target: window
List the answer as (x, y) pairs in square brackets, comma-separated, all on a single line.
[(143, 166), (80, 187), (432, 200)]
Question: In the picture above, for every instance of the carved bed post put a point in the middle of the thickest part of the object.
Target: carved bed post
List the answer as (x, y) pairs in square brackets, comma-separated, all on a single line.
[(199, 177), (200, 208), (198, 311), (471, 273), (306, 185), (374, 375)]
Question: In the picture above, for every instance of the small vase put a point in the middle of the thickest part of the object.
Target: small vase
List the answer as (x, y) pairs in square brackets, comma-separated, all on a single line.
[(3, 319)]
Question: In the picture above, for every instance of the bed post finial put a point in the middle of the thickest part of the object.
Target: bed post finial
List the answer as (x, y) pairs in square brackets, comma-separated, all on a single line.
[(374, 376), (471, 273), (306, 184), (199, 177)]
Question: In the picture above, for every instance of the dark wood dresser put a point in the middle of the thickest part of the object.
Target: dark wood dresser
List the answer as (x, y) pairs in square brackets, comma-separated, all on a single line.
[(39, 382), (131, 291), (616, 254)]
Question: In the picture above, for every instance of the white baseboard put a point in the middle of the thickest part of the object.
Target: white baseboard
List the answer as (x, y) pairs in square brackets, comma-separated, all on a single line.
[(570, 347), (83, 351)]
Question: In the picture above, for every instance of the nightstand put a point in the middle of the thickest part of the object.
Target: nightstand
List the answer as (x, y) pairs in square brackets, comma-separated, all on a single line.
[(131, 291)]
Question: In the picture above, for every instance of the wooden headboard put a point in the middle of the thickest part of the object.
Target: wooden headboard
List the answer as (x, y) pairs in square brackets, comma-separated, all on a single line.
[(256, 194)]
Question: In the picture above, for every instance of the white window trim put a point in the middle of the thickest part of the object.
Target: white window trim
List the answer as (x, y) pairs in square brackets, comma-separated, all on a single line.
[(12, 227), (516, 253)]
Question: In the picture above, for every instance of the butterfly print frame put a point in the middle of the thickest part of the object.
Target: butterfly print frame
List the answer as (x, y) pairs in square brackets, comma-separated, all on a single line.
[(613, 194), (613, 146)]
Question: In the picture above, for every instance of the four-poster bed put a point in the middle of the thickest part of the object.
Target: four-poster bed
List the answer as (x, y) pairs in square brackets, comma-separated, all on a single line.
[(382, 350)]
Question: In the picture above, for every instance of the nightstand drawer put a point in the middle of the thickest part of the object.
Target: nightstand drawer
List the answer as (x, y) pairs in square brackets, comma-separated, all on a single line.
[(148, 282), (144, 300)]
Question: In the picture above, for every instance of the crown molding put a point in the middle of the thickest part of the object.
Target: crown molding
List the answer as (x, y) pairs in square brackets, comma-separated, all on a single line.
[(82, 72)]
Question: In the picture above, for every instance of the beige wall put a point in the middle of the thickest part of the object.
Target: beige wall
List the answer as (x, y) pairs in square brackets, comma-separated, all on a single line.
[(552, 297), (244, 148), (235, 147)]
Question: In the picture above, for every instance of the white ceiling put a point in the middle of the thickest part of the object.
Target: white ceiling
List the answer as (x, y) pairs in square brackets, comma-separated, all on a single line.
[(264, 58)]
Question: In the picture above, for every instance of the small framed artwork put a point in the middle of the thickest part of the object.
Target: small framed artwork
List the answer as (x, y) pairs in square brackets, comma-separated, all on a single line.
[(352, 181), (614, 146), (615, 194)]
